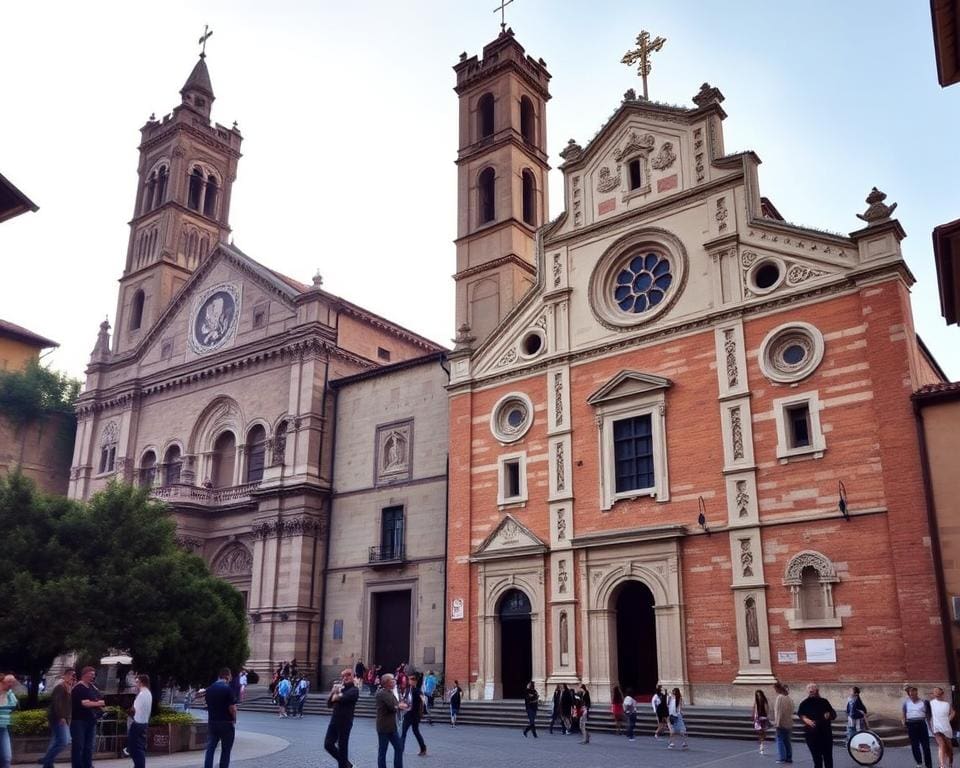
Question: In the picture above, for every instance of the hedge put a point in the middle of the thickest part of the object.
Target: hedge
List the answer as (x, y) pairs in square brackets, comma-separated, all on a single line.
[(33, 722)]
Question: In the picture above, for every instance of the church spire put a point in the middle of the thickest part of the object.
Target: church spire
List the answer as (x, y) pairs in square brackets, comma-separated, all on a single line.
[(197, 92)]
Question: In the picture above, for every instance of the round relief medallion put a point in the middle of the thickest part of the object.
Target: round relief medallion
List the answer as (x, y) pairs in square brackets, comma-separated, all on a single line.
[(214, 318), (791, 352), (511, 418)]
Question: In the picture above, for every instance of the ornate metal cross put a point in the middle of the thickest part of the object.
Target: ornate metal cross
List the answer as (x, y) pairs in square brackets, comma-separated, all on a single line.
[(503, 13), (207, 32), (641, 56)]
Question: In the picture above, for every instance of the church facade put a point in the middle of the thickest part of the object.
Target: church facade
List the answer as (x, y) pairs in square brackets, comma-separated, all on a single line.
[(215, 390), (682, 448)]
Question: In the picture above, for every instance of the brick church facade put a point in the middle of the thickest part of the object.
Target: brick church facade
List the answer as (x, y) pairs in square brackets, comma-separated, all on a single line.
[(659, 403)]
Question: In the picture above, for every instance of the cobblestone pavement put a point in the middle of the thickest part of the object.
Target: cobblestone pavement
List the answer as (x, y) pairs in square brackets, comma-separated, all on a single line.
[(476, 747)]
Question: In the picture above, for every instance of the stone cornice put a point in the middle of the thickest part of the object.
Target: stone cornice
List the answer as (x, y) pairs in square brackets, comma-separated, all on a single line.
[(505, 137), (487, 266)]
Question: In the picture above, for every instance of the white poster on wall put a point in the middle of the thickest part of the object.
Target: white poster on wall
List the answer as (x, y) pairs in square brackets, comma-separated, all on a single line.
[(456, 609), (821, 651), (787, 657)]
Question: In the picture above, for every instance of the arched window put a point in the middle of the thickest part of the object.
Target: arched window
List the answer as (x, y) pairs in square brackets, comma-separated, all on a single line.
[(136, 310), (161, 194), (485, 115), (196, 190), (148, 469), (210, 201), (527, 121), (108, 447), (173, 462), (148, 193), (529, 199), (810, 576), (224, 458), (256, 453), (486, 190)]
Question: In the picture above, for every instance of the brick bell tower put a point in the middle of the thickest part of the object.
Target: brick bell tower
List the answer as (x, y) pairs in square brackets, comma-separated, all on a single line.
[(186, 174), (502, 179)]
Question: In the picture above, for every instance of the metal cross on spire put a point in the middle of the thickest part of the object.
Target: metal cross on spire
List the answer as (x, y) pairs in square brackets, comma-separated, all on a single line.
[(641, 56), (503, 13), (207, 32)]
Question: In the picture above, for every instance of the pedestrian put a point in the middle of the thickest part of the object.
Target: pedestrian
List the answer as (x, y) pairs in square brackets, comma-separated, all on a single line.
[(566, 709), (675, 718), (221, 719), (87, 707), (584, 712), (916, 717), (137, 732), (454, 695), (616, 708), (761, 716), (387, 709), (531, 700), (188, 697), (300, 695), (430, 691), (941, 713), (555, 713), (8, 703), (416, 703), (243, 684), (359, 670), (58, 715), (343, 699), (283, 696), (630, 710), (783, 722), (856, 713), (818, 716), (661, 711)]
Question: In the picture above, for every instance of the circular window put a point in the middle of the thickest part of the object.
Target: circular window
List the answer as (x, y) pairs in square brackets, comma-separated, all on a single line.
[(532, 344), (511, 417), (765, 276), (638, 279), (791, 352)]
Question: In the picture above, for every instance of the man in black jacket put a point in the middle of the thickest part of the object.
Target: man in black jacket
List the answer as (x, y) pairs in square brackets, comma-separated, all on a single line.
[(343, 699), (411, 718), (817, 716)]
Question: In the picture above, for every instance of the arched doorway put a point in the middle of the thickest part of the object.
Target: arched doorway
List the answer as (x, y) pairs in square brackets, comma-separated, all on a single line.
[(516, 644), (636, 635)]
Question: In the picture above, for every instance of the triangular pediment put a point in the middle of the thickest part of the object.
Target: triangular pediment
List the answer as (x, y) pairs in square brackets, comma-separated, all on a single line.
[(628, 384), (510, 537)]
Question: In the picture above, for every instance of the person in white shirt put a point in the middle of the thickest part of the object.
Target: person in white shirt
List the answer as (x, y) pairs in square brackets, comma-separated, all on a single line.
[(675, 718), (140, 712), (941, 713), (915, 714), (243, 684), (630, 710)]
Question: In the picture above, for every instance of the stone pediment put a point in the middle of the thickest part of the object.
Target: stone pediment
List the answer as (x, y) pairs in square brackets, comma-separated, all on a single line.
[(628, 384), (518, 341), (508, 539)]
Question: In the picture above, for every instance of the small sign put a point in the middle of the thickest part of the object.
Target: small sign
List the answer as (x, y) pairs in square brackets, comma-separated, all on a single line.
[(456, 609), (821, 651), (714, 654), (788, 657)]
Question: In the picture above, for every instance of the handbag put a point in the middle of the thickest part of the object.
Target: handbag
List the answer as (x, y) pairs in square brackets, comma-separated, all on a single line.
[(673, 719)]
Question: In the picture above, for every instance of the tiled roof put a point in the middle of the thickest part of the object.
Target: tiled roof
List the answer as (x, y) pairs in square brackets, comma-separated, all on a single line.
[(938, 389), (9, 329)]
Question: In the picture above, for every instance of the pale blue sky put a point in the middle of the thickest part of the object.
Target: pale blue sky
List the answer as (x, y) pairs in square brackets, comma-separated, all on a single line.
[(350, 124)]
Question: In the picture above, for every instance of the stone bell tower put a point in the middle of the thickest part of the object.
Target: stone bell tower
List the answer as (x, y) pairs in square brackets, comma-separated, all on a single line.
[(185, 177), (502, 179)]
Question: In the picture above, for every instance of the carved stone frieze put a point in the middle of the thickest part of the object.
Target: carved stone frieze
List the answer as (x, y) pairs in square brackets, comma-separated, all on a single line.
[(558, 397), (721, 214), (235, 560), (636, 144), (189, 543), (563, 576), (561, 473), (799, 273), (746, 558), (730, 351), (809, 559), (606, 180), (664, 158), (736, 432), (556, 270), (561, 524), (508, 357), (743, 499)]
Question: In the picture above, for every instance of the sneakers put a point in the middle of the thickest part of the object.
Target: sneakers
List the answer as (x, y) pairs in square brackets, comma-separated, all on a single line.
[(684, 745), (422, 753), (670, 746)]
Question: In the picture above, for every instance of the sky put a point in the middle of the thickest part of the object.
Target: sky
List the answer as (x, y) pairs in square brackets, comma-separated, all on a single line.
[(350, 131)]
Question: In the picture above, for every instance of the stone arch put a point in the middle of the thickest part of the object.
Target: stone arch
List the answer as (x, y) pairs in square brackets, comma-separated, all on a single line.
[(808, 558), (605, 590), (233, 560), (223, 413), (812, 598)]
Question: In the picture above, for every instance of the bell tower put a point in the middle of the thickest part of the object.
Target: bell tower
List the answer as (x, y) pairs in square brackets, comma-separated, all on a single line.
[(502, 179), (185, 177)]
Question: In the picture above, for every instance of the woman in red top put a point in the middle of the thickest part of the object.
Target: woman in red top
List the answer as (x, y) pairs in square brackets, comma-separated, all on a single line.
[(616, 708)]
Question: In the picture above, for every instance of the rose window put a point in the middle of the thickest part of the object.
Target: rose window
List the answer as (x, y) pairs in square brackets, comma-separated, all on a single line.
[(642, 283)]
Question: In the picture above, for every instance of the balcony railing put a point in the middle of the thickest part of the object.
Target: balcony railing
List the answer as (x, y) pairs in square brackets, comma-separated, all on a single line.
[(194, 494), (386, 555)]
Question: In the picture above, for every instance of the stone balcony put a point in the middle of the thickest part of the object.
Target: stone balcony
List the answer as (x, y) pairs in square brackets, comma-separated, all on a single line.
[(183, 494)]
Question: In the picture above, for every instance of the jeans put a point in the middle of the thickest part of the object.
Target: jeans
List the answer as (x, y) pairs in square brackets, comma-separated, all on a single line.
[(222, 734), (83, 733), (631, 724), (784, 747), (854, 726), (6, 751), (531, 721), (919, 742), (414, 723), (820, 744), (59, 738), (584, 733), (389, 738), (137, 744), (337, 742)]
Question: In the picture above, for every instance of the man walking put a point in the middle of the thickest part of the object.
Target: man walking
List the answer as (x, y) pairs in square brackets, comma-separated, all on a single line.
[(783, 722), (87, 707), (221, 718), (630, 710), (411, 718), (430, 691), (387, 708), (58, 715), (283, 696), (343, 699), (818, 716), (916, 717), (140, 712)]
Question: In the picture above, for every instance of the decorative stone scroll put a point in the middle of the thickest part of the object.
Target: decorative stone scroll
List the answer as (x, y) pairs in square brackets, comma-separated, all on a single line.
[(561, 473), (558, 397), (561, 524), (730, 350), (736, 432), (743, 499), (665, 157), (809, 559)]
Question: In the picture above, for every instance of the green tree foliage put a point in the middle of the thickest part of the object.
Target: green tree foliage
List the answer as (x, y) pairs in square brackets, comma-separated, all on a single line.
[(35, 391)]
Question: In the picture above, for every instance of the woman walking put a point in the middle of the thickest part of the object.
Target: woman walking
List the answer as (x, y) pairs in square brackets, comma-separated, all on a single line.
[(675, 718), (941, 713), (616, 708), (530, 701), (761, 716), (566, 709), (584, 714), (556, 713), (453, 696), (660, 710), (856, 713)]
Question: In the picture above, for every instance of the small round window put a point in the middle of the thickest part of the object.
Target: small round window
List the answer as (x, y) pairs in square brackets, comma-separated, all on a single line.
[(642, 282), (791, 352), (765, 275), (532, 344), (511, 417)]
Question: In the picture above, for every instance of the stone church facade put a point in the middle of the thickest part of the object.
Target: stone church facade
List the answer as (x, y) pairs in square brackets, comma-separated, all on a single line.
[(215, 390), (687, 453)]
